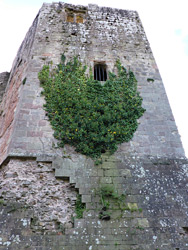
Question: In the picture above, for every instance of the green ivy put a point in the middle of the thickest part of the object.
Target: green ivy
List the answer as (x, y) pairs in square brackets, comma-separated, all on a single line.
[(106, 192), (84, 113), (79, 207)]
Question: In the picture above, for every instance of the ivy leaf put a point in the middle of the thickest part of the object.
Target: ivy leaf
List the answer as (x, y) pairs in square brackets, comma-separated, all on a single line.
[(87, 115)]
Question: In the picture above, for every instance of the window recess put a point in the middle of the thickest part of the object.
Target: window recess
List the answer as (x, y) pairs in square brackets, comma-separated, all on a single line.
[(100, 73)]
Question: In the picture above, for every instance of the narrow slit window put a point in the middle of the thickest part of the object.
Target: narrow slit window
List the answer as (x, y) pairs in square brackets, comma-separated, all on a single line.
[(100, 73)]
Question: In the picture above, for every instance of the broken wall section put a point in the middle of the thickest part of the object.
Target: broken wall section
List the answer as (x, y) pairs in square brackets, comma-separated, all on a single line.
[(31, 185), (151, 215)]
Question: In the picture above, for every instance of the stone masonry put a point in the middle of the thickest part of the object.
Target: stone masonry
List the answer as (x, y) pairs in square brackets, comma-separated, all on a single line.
[(147, 206), (34, 185), (3, 83), (151, 215), (102, 35)]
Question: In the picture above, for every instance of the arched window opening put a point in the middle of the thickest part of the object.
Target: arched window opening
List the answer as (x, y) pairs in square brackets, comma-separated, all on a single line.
[(100, 73)]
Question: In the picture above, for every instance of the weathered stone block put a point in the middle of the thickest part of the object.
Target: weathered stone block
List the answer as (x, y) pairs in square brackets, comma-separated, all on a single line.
[(86, 198), (132, 206), (108, 165), (125, 173), (111, 172), (106, 180), (142, 222)]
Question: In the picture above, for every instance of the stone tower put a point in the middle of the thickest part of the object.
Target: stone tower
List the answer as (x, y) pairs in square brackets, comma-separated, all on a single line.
[(39, 182)]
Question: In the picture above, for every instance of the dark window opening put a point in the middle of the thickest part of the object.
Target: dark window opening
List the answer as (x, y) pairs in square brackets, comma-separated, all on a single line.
[(100, 73), (185, 229)]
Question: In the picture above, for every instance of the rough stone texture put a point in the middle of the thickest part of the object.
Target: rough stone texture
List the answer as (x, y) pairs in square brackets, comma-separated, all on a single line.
[(34, 186), (104, 36), (3, 83), (150, 170), (152, 215)]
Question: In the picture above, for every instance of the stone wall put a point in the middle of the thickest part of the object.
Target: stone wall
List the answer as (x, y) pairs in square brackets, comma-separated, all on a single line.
[(33, 185), (99, 35), (146, 208), (10, 103), (152, 213), (3, 83)]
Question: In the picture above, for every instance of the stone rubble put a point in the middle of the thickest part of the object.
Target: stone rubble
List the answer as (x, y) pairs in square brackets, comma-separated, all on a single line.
[(34, 184)]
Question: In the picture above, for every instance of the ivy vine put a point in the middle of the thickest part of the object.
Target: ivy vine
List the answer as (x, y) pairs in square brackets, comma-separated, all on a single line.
[(84, 113)]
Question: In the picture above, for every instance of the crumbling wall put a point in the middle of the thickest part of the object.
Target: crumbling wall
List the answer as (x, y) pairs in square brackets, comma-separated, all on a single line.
[(34, 186), (152, 214)]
